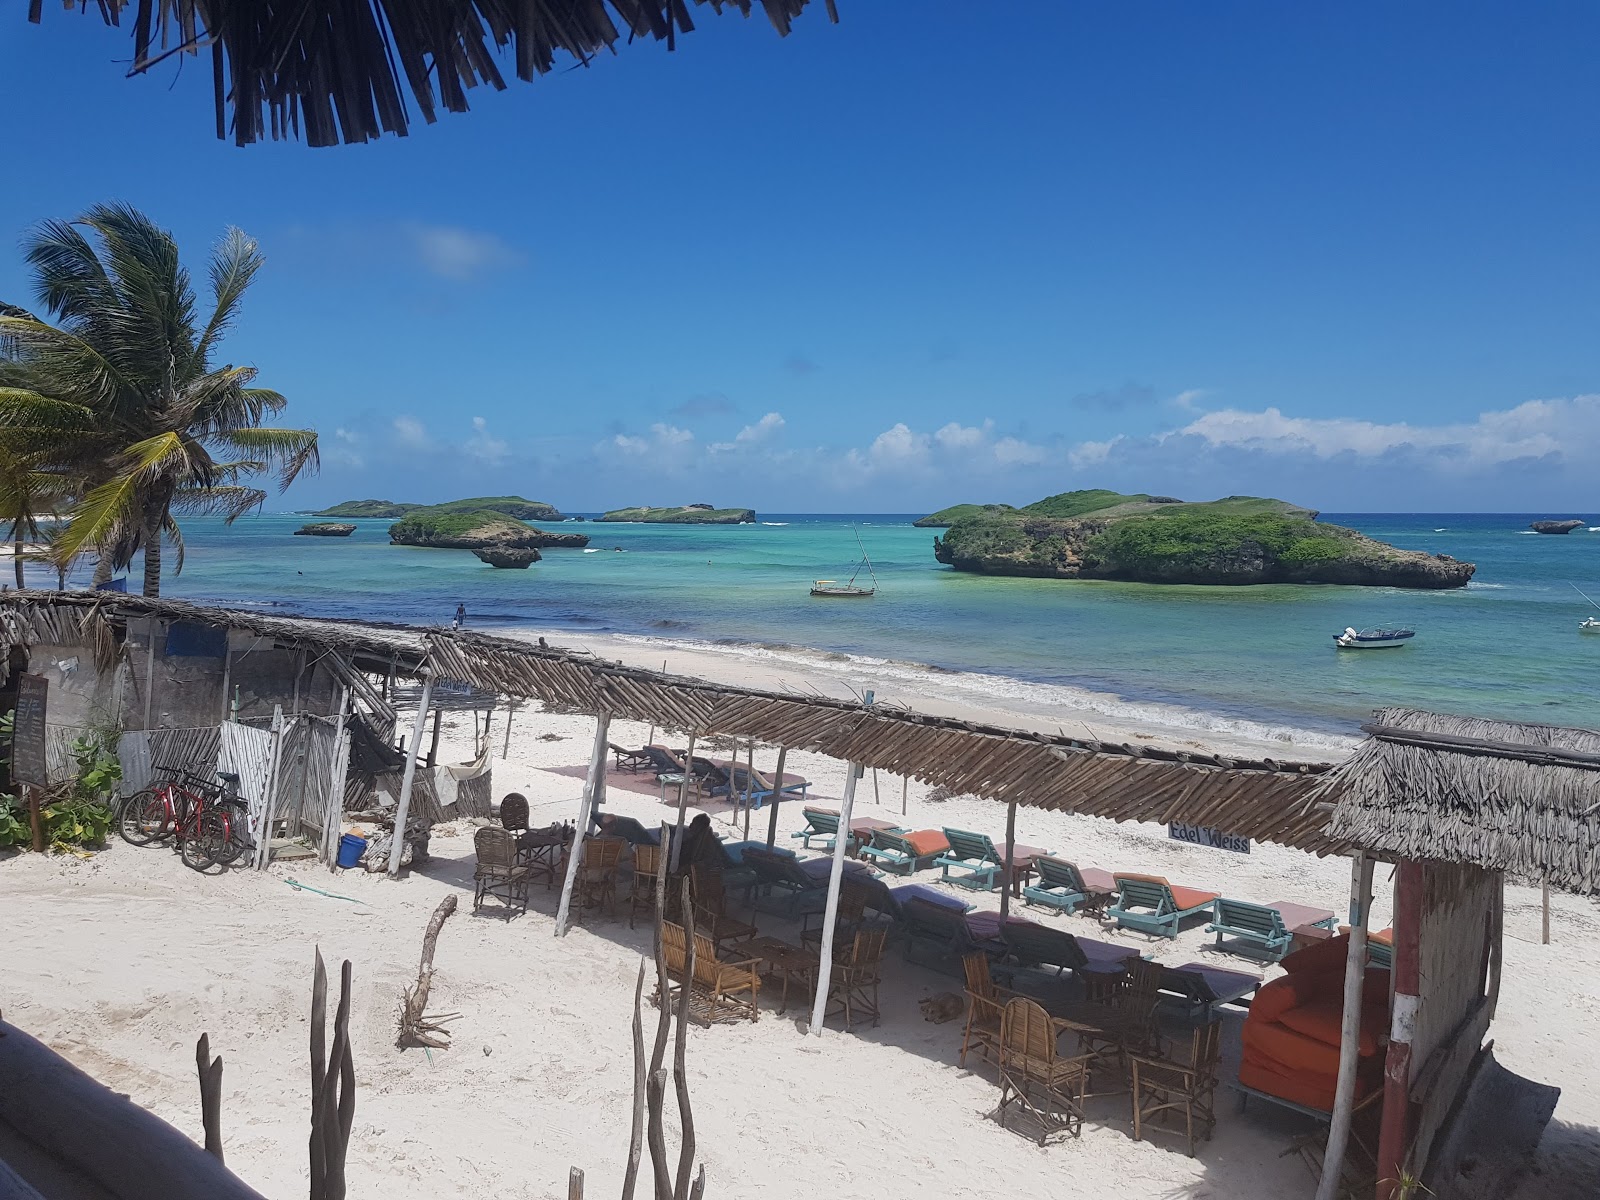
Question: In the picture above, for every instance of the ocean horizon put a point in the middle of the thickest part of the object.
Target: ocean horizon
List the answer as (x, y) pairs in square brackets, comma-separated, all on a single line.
[(1258, 659)]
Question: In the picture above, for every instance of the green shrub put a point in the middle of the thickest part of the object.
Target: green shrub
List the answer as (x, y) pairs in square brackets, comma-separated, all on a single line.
[(1198, 539)]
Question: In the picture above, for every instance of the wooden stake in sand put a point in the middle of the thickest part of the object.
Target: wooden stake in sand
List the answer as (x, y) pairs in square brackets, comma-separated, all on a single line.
[(1006, 878), (403, 808), (333, 1086), (777, 795), (1544, 901), (416, 1027), (830, 914), (210, 1095), (592, 786), (1355, 970)]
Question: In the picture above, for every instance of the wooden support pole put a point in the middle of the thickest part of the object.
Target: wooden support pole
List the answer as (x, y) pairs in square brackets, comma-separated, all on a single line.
[(683, 804), (403, 807), (777, 796), (830, 913), (34, 821), (1395, 1130), (905, 788), (593, 785), (227, 674), (150, 673), (1011, 841), (1544, 903), (1355, 970), (575, 1184), (433, 746), (749, 784), (506, 750), (210, 1095)]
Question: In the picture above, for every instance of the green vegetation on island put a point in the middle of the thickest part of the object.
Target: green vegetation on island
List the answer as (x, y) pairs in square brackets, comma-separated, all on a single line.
[(509, 506), (447, 527), (947, 517), (1157, 539), (686, 514)]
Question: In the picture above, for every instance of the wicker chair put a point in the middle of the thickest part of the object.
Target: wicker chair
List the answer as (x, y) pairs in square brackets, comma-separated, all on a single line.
[(1033, 1077), (596, 881), (720, 990), (498, 870), (1168, 1087), (986, 1002), (647, 864), (853, 983), (514, 812), (854, 896), (710, 902)]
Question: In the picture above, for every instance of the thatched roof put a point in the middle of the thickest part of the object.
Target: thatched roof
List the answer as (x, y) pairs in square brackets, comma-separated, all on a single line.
[(337, 70), (1262, 799), (1502, 795)]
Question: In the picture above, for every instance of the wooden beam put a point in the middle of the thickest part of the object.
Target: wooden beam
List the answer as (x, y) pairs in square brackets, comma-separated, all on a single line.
[(592, 786), (683, 804), (830, 911), (403, 807), (1394, 1133), (1355, 970), (777, 797), (1011, 841)]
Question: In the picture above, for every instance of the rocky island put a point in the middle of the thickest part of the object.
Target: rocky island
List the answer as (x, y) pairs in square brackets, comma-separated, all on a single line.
[(1554, 526), (508, 557), (1099, 534), (509, 506), (325, 529), (446, 527), (686, 514)]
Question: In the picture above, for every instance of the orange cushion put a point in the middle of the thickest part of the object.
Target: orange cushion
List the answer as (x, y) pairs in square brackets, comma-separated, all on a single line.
[(1187, 898), (1160, 879), (1293, 1051), (1384, 937), (1273, 1000), (927, 841), (1328, 955), (1322, 1020)]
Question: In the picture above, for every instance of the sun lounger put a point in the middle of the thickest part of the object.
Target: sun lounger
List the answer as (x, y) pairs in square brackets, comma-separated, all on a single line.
[(1060, 885), (734, 779), (1205, 988), (975, 855), (631, 760), (819, 824), (631, 831), (1262, 930), (905, 853), (936, 936), (663, 761), (1151, 905), (1380, 949)]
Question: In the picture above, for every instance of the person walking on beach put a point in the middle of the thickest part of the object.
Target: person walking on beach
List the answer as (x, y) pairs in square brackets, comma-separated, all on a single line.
[(461, 617)]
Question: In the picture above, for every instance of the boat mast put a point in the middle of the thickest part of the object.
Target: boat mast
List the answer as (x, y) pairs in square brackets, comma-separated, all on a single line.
[(1583, 593), (868, 561)]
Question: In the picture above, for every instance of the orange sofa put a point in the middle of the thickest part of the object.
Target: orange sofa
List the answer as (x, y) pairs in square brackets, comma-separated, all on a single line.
[(1291, 1037)]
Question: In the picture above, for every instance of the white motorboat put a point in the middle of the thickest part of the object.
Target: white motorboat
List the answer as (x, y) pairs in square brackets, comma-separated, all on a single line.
[(1589, 625), (1372, 639)]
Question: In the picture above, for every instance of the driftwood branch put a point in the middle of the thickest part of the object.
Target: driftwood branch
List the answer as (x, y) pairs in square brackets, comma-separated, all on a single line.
[(333, 1086), (680, 1190), (416, 1027), (210, 1095)]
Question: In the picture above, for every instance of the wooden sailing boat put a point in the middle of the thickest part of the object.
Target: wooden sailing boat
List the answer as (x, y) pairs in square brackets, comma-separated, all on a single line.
[(831, 587)]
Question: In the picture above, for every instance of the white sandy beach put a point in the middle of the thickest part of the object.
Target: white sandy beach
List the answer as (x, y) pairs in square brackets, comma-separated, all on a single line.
[(120, 961)]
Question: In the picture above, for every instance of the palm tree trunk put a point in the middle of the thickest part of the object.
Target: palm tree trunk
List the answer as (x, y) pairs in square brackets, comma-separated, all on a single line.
[(152, 558), (102, 569), (16, 554)]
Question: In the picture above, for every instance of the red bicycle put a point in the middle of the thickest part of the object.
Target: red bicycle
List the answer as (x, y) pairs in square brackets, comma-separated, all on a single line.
[(211, 824)]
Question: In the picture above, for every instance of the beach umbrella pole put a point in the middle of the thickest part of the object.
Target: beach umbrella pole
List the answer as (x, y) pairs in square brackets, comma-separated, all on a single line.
[(593, 787), (830, 914)]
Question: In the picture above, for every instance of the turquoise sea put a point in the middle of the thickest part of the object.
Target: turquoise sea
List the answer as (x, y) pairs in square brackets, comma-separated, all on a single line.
[(1508, 645)]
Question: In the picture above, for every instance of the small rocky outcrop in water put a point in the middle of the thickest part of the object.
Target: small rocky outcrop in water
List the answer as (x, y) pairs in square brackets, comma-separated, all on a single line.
[(450, 530), (325, 529), (1555, 526), (506, 556), (688, 514), (1155, 539)]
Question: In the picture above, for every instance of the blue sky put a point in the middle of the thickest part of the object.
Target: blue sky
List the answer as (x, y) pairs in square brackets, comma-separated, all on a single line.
[(1342, 254)]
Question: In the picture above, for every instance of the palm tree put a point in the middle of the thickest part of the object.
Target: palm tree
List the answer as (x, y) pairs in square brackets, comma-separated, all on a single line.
[(27, 494), (121, 394)]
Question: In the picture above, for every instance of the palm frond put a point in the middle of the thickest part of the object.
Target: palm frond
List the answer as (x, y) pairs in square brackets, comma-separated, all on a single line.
[(75, 366), (108, 511), (234, 264), (288, 451), (175, 536), (142, 259), (69, 278), (227, 502)]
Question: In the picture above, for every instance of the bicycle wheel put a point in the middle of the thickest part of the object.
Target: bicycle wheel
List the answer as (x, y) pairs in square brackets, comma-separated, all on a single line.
[(237, 815), (206, 840), (143, 818)]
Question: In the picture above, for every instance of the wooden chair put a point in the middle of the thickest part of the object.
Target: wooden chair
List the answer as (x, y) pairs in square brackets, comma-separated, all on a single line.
[(498, 870), (986, 1002), (853, 897), (1129, 1026), (596, 881), (710, 903), (855, 977), (1033, 1077), (647, 863), (1166, 1087), (514, 812), (719, 990)]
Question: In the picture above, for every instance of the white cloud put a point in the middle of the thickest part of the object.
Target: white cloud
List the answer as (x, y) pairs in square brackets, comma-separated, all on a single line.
[(956, 436), (1190, 399), (459, 254), (343, 451), (1090, 454), (762, 430), (630, 445), (1014, 452), (899, 445), (411, 432), (484, 446)]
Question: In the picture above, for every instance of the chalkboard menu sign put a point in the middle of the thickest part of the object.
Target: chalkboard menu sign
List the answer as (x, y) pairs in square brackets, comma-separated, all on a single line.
[(27, 738)]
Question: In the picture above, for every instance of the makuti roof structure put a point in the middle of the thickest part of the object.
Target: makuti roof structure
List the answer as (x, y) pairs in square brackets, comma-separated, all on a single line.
[(1262, 799), (337, 70), (1503, 795)]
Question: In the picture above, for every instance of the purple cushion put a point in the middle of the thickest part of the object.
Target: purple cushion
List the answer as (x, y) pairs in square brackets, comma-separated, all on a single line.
[(918, 891)]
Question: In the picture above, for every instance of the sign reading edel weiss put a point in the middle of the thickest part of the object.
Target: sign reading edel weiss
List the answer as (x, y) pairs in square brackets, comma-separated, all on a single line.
[(1205, 835)]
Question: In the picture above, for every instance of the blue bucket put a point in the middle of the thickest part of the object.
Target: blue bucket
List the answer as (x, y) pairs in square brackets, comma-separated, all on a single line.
[(351, 848)]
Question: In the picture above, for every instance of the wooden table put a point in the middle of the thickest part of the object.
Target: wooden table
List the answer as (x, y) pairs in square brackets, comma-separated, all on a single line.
[(789, 963), (542, 851), (1021, 865)]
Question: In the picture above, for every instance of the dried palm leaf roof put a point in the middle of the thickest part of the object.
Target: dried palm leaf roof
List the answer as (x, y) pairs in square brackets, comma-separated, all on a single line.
[(334, 70), (1507, 796), (1262, 799)]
